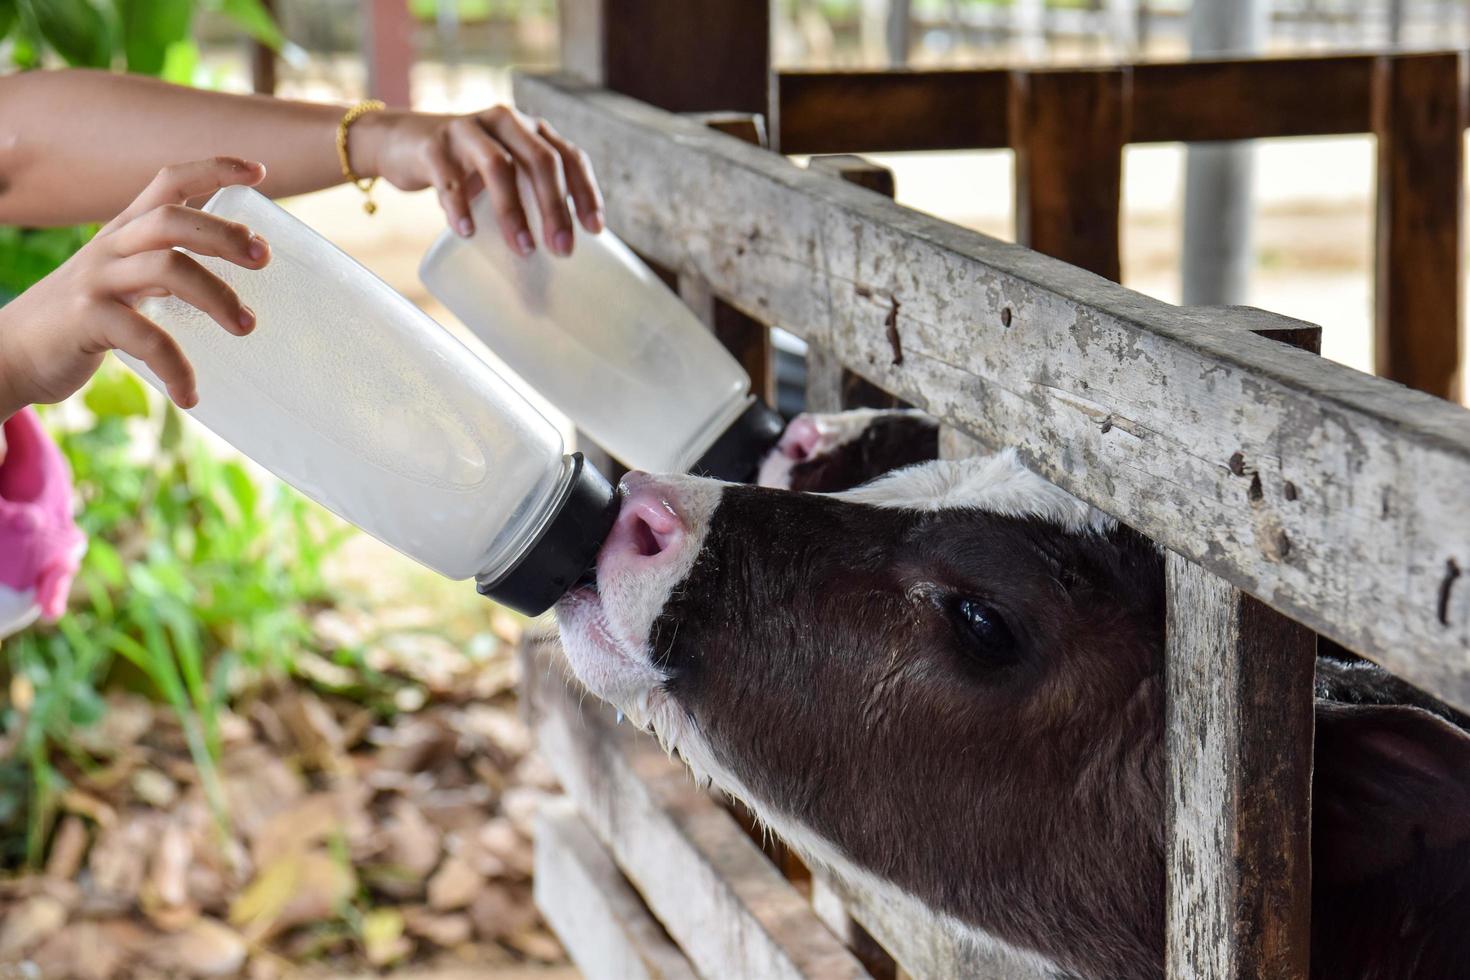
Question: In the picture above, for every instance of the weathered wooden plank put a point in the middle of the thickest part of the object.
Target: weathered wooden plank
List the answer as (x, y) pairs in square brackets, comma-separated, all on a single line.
[(719, 898), (1419, 119), (874, 111), (744, 336), (1360, 521), (1239, 748), (922, 946), (683, 56), (832, 910), (1273, 326), (833, 384), (1068, 128), (607, 930)]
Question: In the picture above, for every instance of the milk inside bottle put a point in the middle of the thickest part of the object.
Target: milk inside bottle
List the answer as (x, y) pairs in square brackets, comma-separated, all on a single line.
[(605, 341), (351, 394)]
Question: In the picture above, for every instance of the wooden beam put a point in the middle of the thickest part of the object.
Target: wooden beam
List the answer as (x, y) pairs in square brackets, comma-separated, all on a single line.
[(1142, 408), (607, 930), (681, 56), (744, 336), (826, 379), (1419, 118), (389, 40), (1239, 748), (1254, 98), (874, 111), (1068, 130), (964, 109), (716, 894)]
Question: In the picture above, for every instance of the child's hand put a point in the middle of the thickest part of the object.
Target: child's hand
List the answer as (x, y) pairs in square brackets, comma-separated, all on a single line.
[(458, 155), (54, 335)]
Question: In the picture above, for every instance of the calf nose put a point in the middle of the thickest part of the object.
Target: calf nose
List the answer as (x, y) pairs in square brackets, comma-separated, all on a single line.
[(648, 530), (801, 438)]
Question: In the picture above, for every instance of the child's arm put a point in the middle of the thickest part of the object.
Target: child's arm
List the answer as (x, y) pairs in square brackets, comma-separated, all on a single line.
[(77, 145), (54, 335)]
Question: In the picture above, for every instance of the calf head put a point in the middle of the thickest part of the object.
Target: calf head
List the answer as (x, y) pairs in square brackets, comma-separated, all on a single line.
[(825, 453), (935, 682), (946, 685)]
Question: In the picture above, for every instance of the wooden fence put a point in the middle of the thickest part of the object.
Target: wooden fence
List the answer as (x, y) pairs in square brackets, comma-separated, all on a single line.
[(1295, 496), (1068, 128)]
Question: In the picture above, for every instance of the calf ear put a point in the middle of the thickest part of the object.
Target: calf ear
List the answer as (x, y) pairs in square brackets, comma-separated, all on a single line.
[(1391, 781)]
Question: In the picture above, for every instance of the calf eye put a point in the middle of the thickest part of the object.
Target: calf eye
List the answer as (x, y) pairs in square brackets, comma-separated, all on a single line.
[(990, 639)]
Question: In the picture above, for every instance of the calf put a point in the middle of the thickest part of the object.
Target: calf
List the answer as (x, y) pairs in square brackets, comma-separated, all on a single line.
[(825, 453), (947, 686)]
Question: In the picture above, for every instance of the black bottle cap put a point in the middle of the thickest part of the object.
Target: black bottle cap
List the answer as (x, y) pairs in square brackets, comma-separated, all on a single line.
[(737, 453), (566, 549)]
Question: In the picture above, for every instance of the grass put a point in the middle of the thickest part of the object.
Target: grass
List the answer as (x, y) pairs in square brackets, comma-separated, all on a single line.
[(197, 581)]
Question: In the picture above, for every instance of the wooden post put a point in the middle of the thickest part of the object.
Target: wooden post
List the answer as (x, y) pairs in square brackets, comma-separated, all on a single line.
[(745, 337), (1068, 128), (1419, 116), (1239, 747), (1238, 740), (681, 56), (263, 60), (830, 387), (389, 42)]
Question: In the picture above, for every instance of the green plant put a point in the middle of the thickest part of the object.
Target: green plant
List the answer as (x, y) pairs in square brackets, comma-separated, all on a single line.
[(197, 579), (149, 37)]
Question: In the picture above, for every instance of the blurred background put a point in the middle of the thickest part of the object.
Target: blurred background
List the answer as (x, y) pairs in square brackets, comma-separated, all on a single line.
[(261, 744)]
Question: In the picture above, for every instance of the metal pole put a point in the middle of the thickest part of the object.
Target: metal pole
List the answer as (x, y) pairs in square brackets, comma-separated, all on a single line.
[(1123, 17), (899, 12), (1218, 176), (1028, 28)]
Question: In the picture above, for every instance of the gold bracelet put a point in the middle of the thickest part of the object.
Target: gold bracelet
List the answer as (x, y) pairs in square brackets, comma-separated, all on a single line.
[(364, 184)]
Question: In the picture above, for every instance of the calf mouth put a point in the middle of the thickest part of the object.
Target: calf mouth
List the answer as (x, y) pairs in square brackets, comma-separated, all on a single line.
[(607, 620)]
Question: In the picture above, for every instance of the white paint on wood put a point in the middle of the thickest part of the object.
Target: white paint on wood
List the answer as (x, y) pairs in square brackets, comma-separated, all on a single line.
[(1337, 498), (607, 930), (1238, 742)]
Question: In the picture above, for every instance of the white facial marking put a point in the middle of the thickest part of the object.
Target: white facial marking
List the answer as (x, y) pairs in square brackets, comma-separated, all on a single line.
[(606, 635), (998, 484)]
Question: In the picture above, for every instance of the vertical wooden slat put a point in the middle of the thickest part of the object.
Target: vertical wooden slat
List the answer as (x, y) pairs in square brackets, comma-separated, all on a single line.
[(747, 338), (1239, 745), (681, 56), (263, 60), (1419, 118), (607, 930), (389, 41), (1068, 128), (830, 386), (1238, 739)]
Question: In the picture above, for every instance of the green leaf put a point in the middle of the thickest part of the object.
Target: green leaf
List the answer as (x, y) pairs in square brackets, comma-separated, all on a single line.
[(76, 29), (7, 16), (149, 28), (116, 394), (180, 63), (255, 19)]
